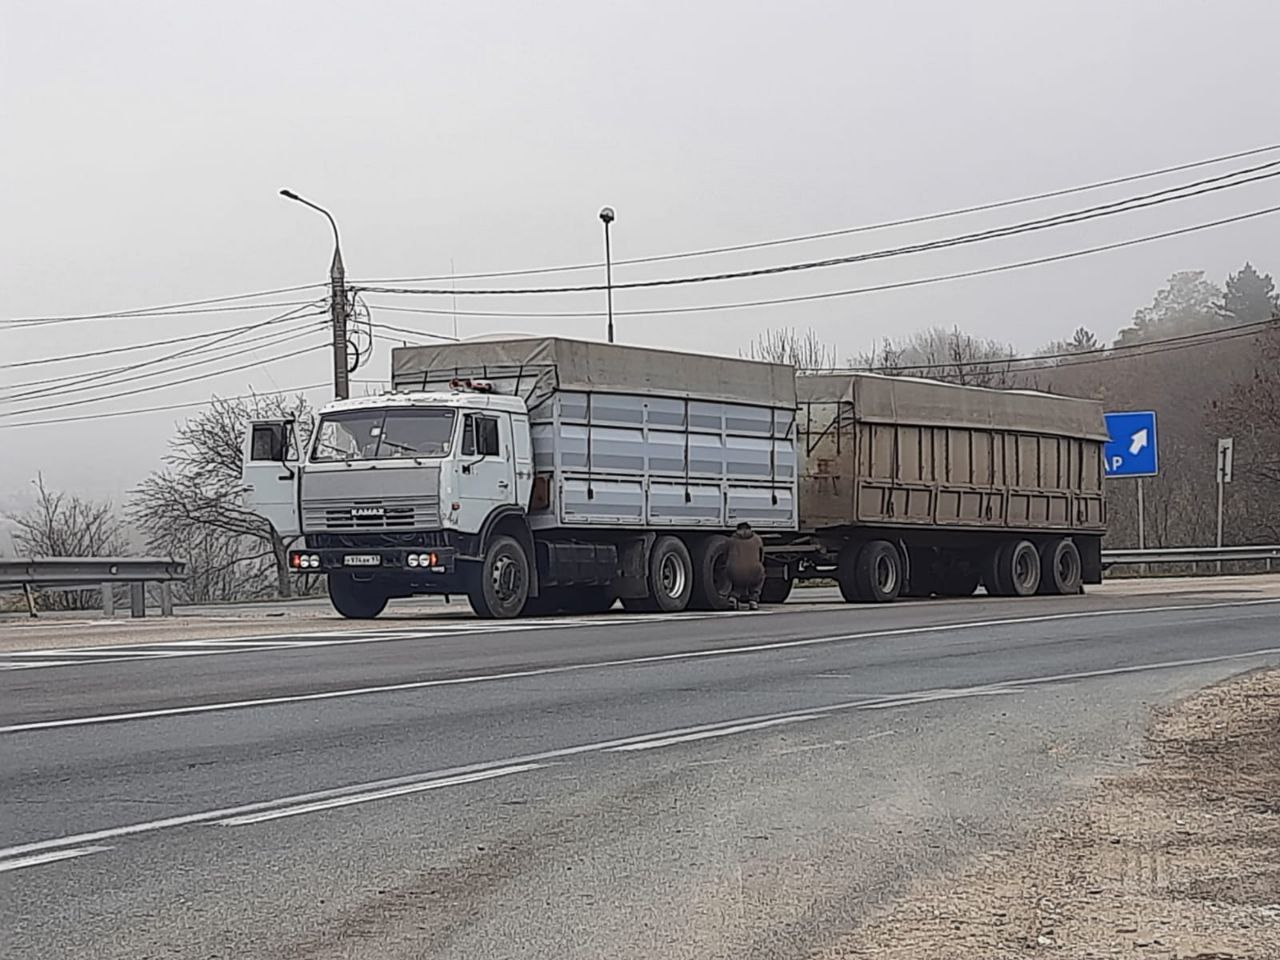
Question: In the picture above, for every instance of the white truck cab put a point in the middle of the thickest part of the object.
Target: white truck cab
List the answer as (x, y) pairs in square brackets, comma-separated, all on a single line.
[(392, 489)]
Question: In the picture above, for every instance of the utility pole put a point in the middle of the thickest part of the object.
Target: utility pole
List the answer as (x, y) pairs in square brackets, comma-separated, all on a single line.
[(607, 216), (337, 302)]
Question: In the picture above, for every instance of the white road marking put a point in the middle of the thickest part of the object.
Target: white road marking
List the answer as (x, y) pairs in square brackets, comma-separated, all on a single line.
[(708, 734), (53, 856), (701, 654), (211, 646), (318, 805), (808, 713)]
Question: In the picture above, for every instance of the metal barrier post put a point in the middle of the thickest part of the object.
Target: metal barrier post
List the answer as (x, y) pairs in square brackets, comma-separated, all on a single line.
[(108, 600), (137, 599)]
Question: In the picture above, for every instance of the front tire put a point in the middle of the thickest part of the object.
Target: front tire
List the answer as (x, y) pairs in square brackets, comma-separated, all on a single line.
[(355, 599), (499, 585)]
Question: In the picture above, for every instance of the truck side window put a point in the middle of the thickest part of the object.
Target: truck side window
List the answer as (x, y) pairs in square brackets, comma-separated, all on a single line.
[(487, 437), (469, 435), (269, 442)]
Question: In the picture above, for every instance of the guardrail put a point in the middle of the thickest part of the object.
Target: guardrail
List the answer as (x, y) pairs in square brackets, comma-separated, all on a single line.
[(67, 573), (1193, 555)]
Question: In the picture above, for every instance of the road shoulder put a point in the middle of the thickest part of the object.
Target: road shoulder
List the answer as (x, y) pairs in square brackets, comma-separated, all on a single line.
[(1179, 858)]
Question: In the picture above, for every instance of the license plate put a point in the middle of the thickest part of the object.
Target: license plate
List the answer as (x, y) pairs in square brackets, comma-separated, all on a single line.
[(362, 560)]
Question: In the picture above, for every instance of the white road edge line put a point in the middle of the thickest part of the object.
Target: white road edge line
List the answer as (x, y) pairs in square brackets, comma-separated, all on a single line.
[(318, 805), (709, 734), (604, 665), (52, 856)]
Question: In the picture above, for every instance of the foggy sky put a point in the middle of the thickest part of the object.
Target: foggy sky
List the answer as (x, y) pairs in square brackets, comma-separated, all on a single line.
[(144, 143)]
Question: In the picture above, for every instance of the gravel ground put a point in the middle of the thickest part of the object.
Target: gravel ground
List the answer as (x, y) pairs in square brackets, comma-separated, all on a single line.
[(1176, 860)]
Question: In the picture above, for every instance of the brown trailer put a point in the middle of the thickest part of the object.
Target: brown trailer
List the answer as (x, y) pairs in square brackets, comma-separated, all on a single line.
[(917, 487)]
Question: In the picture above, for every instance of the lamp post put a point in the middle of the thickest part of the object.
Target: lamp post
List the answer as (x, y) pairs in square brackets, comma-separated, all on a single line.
[(337, 301), (607, 216)]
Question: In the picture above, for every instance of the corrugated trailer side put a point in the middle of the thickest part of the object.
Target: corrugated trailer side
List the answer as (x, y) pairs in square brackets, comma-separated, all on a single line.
[(897, 451), (912, 486)]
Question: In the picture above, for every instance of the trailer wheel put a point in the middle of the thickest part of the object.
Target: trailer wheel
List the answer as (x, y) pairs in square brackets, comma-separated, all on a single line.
[(499, 586), (1014, 570), (711, 587), (355, 599), (776, 590), (847, 573), (1060, 569), (879, 572)]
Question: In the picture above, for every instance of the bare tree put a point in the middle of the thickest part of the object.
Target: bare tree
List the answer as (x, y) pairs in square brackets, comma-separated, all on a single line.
[(195, 506), (802, 350), (68, 525), (942, 354), (1250, 413)]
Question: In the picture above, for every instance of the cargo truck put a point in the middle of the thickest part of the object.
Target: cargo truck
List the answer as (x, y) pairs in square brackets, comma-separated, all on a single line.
[(541, 475)]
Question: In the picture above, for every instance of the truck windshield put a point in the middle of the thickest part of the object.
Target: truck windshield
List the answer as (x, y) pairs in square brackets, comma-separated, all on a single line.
[(383, 435)]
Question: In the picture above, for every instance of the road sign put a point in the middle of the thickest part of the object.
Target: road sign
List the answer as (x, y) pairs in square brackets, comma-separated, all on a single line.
[(1226, 458), (1132, 450)]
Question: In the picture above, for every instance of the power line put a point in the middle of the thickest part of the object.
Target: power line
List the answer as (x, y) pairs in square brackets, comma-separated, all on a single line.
[(109, 351), (1074, 358), (846, 231), (165, 386), (160, 309), (80, 418), (1089, 213), (187, 351), (276, 338), (898, 285)]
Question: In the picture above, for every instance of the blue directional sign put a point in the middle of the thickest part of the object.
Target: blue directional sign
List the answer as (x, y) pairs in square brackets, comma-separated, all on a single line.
[(1132, 450)]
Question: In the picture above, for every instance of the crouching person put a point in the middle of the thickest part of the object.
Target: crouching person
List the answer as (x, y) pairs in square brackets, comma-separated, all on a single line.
[(746, 567)]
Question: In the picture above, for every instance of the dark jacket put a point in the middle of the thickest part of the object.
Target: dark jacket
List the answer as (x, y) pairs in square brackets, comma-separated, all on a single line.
[(746, 558)]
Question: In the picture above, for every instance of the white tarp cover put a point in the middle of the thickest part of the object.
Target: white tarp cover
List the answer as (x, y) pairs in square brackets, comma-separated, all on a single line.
[(593, 366), (912, 400)]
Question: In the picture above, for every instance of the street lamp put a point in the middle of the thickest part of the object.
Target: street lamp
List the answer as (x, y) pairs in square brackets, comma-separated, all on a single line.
[(337, 301), (607, 216)]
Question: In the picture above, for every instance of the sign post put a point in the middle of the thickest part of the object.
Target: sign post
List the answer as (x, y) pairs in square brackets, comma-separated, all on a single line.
[(1133, 451), (1226, 456)]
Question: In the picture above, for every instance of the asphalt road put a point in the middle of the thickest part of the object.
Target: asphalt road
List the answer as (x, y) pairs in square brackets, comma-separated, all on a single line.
[(739, 785)]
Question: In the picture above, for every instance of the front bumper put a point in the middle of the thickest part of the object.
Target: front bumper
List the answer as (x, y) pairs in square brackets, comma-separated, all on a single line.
[(411, 561)]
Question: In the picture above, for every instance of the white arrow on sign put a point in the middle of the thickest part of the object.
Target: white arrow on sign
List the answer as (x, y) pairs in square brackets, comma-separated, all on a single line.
[(1137, 442)]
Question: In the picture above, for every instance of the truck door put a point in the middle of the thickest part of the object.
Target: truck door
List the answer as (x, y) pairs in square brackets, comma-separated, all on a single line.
[(270, 474), (486, 468)]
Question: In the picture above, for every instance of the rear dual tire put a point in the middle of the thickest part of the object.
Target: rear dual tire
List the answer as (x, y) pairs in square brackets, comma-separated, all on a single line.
[(671, 578), (870, 573)]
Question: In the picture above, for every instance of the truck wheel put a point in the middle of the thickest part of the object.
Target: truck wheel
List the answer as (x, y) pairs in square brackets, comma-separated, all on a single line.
[(1015, 570), (670, 578), (711, 586), (879, 572), (776, 590), (847, 573), (354, 599), (1060, 568), (499, 584)]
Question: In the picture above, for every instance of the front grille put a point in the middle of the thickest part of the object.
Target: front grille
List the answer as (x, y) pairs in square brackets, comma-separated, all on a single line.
[(384, 514), (385, 540)]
